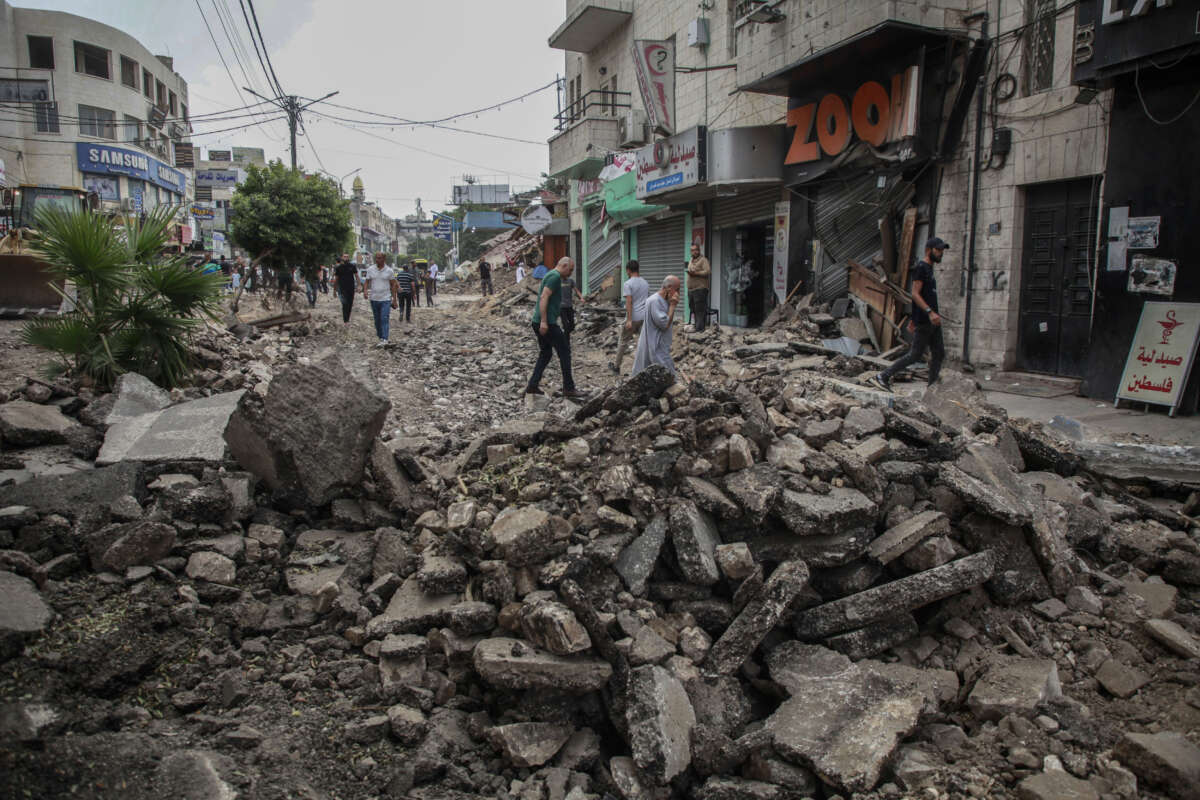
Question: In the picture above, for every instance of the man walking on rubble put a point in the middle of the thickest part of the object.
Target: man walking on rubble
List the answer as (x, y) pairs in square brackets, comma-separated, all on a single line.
[(549, 334), (635, 291), (345, 283), (485, 278), (406, 288), (925, 323), (380, 288), (654, 345)]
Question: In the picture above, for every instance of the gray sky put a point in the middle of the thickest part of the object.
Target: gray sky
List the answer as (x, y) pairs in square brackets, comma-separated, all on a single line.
[(415, 60)]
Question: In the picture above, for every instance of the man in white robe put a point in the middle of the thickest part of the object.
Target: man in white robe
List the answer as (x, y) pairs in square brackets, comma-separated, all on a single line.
[(654, 344)]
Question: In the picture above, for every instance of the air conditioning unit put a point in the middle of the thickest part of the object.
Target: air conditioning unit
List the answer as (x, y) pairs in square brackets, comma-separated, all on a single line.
[(127, 204), (633, 128)]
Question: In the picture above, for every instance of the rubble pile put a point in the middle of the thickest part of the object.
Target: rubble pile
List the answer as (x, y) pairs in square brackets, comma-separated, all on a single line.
[(777, 584)]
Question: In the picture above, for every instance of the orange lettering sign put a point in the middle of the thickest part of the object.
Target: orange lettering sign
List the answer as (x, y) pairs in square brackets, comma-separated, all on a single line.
[(874, 116), (802, 149)]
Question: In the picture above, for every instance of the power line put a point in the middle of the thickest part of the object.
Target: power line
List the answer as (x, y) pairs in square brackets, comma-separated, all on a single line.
[(453, 117), (263, 42), (236, 55), (440, 127), (254, 42), (203, 133)]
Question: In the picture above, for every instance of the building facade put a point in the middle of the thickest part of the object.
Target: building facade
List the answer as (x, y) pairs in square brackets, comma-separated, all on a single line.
[(86, 109), (816, 144)]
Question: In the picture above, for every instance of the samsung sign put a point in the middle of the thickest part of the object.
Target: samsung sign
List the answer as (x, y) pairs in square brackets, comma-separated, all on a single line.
[(101, 159)]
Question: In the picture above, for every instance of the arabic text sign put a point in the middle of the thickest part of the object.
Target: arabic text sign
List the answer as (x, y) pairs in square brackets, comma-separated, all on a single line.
[(783, 212), (1161, 354), (654, 64), (673, 163)]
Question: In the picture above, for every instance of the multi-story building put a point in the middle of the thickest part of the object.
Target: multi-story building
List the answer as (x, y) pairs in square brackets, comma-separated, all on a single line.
[(86, 109), (374, 230), (816, 144)]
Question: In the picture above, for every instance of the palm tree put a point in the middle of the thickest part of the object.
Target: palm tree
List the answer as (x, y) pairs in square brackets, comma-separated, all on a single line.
[(135, 307)]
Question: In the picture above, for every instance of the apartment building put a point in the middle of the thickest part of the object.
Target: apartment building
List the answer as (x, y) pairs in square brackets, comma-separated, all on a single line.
[(86, 109), (816, 144)]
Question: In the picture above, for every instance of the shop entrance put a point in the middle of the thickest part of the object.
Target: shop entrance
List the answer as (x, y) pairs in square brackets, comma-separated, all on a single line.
[(1056, 286), (746, 252)]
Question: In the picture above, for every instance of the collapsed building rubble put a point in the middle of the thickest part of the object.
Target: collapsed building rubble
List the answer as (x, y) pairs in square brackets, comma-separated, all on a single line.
[(769, 582)]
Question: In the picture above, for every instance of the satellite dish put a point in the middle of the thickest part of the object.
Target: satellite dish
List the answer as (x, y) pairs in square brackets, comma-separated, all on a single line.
[(536, 219)]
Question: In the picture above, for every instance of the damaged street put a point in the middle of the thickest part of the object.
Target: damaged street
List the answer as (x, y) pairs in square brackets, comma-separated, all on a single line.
[(337, 571)]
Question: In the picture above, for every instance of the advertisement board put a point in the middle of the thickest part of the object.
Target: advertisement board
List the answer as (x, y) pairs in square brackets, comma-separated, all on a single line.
[(670, 164), (654, 66), (219, 178), (779, 266), (249, 155), (103, 159), (1161, 354)]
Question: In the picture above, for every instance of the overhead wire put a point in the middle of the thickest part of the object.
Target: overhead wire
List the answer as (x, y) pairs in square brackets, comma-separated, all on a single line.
[(485, 134), (452, 117), (263, 42), (257, 52), (234, 43)]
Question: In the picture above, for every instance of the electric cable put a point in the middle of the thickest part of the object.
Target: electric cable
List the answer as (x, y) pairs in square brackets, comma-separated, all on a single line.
[(253, 41), (237, 57), (499, 136), (452, 117), (263, 42), (1137, 70)]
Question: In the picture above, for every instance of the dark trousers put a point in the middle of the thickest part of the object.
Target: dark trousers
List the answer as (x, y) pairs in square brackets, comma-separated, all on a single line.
[(927, 337), (566, 315), (557, 340), (406, 306), (310, 291), (485, 285), (429, 292), (347, 299), (417, 294), (698, 299)]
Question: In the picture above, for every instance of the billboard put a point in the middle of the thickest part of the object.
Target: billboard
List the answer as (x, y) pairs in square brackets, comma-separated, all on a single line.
[(482, 193), (249, 155), (219, 178), (219, 155), (443, 227)]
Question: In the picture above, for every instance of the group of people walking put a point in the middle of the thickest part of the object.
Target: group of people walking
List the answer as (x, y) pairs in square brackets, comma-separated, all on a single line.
[(385, 288)]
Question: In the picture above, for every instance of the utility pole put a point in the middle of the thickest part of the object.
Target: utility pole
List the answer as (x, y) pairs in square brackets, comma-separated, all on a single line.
[(291, 105)]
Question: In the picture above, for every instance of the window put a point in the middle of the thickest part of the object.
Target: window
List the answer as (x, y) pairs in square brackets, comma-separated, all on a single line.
[(148, 84), (172, 102), (612, 98), (133, 129), (186, 121), (98, 122), (129, 72), (160, 93), (46, 117), (41, 52), (1039, 46), (92, 60)]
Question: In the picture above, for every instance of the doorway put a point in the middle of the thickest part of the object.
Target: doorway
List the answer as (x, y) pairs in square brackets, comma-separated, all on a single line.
[(746, 253), (1056, 277)]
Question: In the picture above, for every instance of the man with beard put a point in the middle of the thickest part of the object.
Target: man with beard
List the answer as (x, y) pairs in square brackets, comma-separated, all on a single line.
[(925, 323)]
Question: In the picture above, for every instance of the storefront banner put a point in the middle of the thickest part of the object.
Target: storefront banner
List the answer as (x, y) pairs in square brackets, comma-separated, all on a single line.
[(698, 237), (654, 65), (201, 212), (779, 267), (220, 178), (673, 163), (1161, 354), (104, 187), (220, 155), (106, 159)]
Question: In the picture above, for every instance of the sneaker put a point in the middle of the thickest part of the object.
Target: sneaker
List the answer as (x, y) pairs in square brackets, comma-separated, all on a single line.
[(879, 382), (575, 394), (532, 391), (612, 366)]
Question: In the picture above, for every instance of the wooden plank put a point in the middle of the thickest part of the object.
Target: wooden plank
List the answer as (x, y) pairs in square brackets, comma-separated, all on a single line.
[(888, 237), (904, 256)]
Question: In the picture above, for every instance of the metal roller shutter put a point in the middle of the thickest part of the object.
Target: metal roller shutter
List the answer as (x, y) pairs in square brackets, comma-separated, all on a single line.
[(604, 253), (846, 220), (662, 251), (743, 208)]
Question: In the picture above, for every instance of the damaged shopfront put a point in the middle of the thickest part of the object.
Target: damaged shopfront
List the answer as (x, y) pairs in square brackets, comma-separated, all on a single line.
[(870, 125)]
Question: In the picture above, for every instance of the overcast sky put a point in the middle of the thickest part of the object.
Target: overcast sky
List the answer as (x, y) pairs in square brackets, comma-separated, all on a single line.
[(415, 60)]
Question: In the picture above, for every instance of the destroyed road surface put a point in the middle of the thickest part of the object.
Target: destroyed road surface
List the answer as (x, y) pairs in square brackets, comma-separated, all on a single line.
[(336, 571)]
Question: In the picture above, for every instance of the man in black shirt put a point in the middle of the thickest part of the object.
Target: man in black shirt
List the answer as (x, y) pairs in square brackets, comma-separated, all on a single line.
[(925, 322), (346, 277), (406, 284), (485, 277)]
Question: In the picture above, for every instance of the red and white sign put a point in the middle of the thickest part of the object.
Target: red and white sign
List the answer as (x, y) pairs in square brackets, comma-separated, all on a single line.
[(779, 265), (672, 164), (877, 117), (654, 65), (1160, 357)]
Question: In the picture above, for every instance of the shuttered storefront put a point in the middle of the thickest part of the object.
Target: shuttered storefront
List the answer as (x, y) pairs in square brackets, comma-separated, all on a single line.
[(846, 221), (604, 252), (662, 251), (744, 208)]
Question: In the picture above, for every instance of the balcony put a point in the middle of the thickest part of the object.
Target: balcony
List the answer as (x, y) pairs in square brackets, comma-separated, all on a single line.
[(588, 130), (589, 24)]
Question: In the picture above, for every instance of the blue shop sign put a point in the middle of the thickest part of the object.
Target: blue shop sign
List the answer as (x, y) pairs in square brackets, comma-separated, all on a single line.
[(108, 160)]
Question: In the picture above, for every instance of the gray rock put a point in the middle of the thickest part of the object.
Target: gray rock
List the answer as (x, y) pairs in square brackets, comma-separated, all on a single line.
[(711, 499), (817, 551), (197, 775), (135, 395), (1160, 598), (790, 453), (900, 539), (730, 788), (740, 455), (985, 481), (23, 612), (758, 618), (461, 514), (191, 431), (513, 664), (72, 493), (407, 724), (617, 483), (649, 648), (1055, 785), (735, 560), (280, 440), (1015, 686), (636, 562), (818, 432), (905, 594), (840, 511), (552, 626), (529, 744), (660, 719), (875, 638), (26, 424), (1165, 760), (576, 452), (862, 421), (756, 489), (441, 574), (211, 567), (1173, 637), (138, 543), (412, 611), (695, 536), (393, 485), (1081, 598), (527, 535), (843, 722), (1121, 680)]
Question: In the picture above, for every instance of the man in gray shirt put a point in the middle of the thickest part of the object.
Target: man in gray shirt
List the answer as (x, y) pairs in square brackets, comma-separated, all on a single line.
[(634, 291)]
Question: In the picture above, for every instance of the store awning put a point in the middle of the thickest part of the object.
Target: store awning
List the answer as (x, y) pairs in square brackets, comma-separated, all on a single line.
[(621, 203), (873, 45)]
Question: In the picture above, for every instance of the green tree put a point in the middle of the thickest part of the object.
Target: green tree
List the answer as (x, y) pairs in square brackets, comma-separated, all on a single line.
[(134, 307), (288, 219)]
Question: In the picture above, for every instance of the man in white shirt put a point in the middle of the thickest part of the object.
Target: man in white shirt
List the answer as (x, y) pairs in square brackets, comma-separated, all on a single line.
[(380, 288), (635, 291), (433, 276)]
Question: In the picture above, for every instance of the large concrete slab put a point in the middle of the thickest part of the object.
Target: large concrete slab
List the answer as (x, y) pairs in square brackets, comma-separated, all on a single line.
[(514, 664), (70, 494), (191, 431)]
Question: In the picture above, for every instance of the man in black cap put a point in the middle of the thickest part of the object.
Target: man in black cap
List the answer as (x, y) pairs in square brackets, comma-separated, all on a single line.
[(925, 323)]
